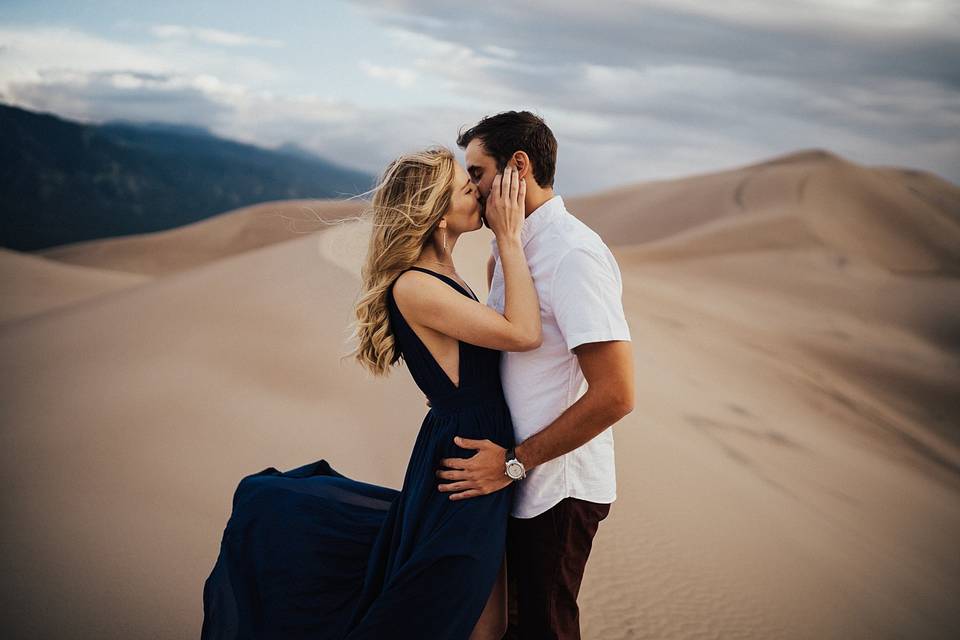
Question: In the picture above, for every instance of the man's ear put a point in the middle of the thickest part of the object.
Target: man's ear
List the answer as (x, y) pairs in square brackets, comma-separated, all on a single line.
[(521, 161)]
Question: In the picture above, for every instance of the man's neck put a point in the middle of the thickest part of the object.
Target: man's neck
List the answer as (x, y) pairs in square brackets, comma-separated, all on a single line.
[(536, 197)]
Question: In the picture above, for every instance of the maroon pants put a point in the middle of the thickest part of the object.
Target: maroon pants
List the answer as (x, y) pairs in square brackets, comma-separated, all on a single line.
[(546, 557)]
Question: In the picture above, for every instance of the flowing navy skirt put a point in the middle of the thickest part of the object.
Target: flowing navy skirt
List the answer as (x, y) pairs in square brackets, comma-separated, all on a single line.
[(311, 553)]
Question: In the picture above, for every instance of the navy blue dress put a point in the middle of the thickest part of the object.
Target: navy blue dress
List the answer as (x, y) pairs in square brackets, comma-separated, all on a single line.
[(311, 553)]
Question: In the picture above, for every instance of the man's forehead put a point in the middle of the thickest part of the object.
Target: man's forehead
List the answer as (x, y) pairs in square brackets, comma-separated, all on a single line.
[(476, 156), (476, 146)]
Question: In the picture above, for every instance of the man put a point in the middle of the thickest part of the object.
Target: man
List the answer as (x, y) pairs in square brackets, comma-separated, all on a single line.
[(563, 396)]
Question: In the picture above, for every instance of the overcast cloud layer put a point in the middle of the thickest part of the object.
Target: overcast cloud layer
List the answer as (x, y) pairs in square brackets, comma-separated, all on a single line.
[(633, 90)]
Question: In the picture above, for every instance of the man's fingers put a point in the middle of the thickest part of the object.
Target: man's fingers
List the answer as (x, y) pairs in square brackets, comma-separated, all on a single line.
[(455, 463), (467, 443), (514, 185), (455, 486), (453, 474), (470, 493)]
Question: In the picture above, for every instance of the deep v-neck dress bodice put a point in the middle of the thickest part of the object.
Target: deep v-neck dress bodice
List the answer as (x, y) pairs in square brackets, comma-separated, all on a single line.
[(311, 553), (479, 367)]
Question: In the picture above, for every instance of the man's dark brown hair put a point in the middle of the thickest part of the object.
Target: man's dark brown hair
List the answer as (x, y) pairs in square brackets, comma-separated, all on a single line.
[(506, 133)]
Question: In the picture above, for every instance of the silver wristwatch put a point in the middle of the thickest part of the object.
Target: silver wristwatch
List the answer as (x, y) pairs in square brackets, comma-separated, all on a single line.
[(515, 469)]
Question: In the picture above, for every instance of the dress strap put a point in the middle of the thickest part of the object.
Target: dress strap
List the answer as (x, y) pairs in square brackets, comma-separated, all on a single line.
[(448, 279)]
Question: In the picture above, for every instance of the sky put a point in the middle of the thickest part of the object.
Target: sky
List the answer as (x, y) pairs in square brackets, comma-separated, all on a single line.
[(633, 91)]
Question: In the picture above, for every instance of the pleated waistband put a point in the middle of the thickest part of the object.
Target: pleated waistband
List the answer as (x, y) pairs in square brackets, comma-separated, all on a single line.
[(460, 399)]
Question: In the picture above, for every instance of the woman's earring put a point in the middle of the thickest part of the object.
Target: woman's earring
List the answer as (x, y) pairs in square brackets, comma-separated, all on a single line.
[(444, 239)]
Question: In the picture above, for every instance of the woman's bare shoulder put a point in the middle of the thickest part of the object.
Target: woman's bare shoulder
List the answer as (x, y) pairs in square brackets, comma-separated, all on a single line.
[(411, 286)]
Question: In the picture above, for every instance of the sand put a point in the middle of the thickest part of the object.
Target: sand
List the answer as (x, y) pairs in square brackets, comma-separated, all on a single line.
[(227, 234), (31, 285), (791, 470)]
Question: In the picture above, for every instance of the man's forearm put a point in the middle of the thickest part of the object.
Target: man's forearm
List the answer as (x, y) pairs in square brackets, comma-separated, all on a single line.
[(581, 422)]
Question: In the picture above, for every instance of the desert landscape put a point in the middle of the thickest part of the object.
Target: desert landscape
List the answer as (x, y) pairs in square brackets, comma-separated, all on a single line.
[(791, 469)]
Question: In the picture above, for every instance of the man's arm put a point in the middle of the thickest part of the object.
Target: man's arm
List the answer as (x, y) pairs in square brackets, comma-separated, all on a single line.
[(586, 300), (608, 369)]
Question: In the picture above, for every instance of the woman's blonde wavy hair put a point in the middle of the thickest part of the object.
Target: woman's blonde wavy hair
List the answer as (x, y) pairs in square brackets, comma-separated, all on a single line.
[(411, 196)]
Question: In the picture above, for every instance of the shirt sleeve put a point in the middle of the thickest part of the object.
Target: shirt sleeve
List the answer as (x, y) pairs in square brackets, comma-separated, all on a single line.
[(587, 297)]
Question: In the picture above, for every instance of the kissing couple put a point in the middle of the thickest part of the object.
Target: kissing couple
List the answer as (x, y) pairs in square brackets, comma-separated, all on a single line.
[(513, 467)]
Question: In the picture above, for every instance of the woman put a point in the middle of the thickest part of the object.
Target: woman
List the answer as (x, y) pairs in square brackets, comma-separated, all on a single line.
[(310, 553)]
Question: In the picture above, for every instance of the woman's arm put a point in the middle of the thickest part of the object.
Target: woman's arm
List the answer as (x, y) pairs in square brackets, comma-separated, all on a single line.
[(426, 300)]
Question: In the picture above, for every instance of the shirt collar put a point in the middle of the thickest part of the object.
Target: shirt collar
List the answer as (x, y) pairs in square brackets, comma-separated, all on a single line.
[(541, 217)]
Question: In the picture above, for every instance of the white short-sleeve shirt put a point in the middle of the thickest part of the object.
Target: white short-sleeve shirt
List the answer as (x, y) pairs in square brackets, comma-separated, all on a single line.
[(580, 290)]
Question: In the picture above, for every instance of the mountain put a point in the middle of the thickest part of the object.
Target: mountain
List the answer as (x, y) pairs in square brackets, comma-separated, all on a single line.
[(63, 182)]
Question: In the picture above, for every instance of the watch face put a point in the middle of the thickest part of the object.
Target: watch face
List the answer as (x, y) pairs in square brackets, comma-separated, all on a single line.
[(513, 471)]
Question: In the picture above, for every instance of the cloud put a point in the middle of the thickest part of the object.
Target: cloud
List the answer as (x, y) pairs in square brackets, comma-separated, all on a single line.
[(801, 40), (97, 96), (93, 79), (648, 88), (397, 75), (634, 91), (26, 51), (211, 36)]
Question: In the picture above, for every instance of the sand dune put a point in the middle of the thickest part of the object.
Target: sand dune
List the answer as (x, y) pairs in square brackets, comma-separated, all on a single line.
[(654, 210), (30, 284), (792, 469), (223, 235), (905, 221)]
